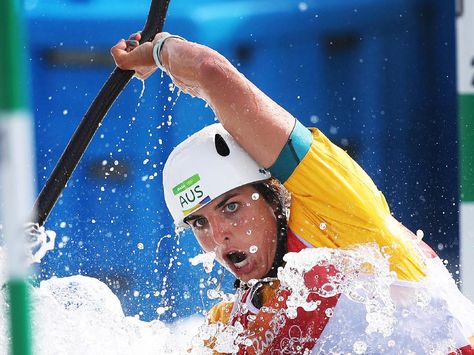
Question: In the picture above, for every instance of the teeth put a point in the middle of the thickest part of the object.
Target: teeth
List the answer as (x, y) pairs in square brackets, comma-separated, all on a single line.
[(241, 263), (239, 259)]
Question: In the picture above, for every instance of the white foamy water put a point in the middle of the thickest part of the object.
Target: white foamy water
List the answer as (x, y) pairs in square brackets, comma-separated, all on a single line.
[(363, 275), (376, 313), (80, 315)]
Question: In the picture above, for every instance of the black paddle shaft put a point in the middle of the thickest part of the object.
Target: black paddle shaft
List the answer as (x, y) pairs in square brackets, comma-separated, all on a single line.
[(92, 120)]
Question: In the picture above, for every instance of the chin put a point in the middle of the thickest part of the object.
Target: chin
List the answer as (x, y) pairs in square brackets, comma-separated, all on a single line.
[(248, 277)]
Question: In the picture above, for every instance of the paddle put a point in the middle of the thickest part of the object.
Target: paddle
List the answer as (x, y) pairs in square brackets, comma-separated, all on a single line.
[(92, 120)]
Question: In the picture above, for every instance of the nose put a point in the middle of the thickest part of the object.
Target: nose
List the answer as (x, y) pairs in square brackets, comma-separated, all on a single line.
[(221, 232)]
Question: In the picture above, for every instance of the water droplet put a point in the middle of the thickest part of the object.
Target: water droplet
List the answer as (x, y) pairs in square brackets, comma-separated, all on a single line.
[(251, 317), (249, 232), (255, 196), (291, 313), (65, 112), (314, 119), (302, 6), (140, 246), (322, 226), (329, 312), (145, 162), (420, 234), (212, 294), (253, 249), (62, 225)]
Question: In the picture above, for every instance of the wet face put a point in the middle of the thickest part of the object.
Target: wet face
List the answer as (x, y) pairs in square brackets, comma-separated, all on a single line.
[(240, 227)]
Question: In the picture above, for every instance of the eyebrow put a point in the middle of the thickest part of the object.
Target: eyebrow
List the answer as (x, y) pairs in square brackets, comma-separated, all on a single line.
[(224, 200), (191, 218), (219, 205)]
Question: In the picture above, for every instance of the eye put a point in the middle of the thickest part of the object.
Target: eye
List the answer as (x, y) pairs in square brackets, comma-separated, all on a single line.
[(199, 222), (231, 207)]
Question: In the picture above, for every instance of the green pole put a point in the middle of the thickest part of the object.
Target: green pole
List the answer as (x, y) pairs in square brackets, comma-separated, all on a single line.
[(465, 76), (16, 169)]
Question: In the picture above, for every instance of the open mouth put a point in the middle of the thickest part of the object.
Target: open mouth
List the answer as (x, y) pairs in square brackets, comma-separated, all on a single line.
[(238, 258)]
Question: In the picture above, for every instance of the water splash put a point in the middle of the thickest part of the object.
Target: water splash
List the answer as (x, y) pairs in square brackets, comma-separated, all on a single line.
[(375, 312), (39, 242), (143, 87), (362, 274), (224, 338), (206, 259), (158, 244), (80, 315)]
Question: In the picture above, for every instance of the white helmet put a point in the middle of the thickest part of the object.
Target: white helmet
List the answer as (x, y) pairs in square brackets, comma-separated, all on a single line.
[(203, 167)]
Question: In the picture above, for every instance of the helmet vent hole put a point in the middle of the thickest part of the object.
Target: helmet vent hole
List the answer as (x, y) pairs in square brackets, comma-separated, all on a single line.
[(221, 146)]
